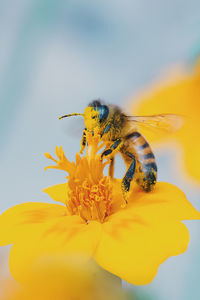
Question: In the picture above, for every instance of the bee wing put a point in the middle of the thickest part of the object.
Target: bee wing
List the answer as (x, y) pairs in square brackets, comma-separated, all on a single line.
[(164, 122)]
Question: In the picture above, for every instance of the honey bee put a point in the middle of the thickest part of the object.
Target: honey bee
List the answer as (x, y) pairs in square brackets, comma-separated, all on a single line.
[(121, 134)]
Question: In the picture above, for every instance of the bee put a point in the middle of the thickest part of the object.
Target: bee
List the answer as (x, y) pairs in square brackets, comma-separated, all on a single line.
[(121, 135)]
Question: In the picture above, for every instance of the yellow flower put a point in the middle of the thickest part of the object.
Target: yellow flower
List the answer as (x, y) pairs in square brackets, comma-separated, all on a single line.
[(180, 94), (130, 241), (61, 278)]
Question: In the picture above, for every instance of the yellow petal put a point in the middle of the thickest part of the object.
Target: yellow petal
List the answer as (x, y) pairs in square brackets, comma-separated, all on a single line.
[(166, 202), (58, 192), (133, 250), (60, 236), (143, 235), (17, 221)]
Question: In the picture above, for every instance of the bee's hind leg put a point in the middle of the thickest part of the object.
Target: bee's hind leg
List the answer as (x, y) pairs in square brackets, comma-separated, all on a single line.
[(111, 167), (126, 181)]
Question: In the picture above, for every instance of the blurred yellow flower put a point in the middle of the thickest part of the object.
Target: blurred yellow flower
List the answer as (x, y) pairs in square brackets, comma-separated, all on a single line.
[(62, 278), (179, 93), (130, 241)]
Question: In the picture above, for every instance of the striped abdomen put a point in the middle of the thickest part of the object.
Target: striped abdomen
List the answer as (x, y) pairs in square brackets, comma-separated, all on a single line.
[(146, 168)]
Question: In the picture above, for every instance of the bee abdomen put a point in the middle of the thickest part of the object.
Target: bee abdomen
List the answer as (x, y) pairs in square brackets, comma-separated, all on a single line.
[(146, 174)]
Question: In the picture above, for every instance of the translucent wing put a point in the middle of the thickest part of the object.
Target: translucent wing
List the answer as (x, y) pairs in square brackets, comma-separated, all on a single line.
[(164, 122)]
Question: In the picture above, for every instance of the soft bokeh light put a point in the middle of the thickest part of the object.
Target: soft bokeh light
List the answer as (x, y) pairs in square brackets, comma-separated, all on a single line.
[(178, 93), (64, 277)]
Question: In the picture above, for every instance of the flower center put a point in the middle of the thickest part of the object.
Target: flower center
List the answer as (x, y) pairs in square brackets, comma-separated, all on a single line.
[(90, 200), (89, 192)]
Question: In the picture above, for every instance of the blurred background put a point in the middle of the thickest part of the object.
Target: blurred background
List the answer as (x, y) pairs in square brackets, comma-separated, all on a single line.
[(58, 55)]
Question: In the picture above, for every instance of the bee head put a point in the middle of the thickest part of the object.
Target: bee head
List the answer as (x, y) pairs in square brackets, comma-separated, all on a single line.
[(95, 114)]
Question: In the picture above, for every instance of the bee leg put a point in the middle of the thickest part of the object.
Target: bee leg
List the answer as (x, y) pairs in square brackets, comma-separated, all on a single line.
[(106, 130), (111, 167), (83, 141), (126, 181), (113, 148)]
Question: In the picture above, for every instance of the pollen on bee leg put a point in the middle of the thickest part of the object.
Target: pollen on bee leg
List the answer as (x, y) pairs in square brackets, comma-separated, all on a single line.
[(125, 197)]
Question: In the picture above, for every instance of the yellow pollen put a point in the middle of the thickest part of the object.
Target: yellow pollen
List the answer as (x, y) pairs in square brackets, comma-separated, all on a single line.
[(89, 191)]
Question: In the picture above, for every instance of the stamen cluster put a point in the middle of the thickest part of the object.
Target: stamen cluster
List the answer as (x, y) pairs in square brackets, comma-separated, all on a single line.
[(89, 193)]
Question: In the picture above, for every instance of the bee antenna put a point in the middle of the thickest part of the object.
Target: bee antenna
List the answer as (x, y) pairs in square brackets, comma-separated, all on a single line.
[(71, 115)]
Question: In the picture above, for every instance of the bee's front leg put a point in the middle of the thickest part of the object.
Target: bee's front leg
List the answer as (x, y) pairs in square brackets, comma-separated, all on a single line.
[(114, 148), (83, 141), (106, 130)]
